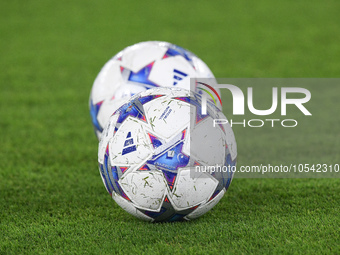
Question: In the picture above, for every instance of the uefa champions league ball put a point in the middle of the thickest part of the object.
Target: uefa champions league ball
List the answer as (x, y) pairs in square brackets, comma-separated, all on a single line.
[(155, 151), (137, 68)]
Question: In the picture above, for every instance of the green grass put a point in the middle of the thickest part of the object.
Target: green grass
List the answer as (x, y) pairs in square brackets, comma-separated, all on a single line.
[(52, 199)]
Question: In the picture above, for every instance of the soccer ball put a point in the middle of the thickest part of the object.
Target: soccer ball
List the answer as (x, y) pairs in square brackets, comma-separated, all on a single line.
[(155, 151), (139, 67)]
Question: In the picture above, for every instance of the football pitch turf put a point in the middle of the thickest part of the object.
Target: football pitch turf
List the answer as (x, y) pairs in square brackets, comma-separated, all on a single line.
[(52, 199)]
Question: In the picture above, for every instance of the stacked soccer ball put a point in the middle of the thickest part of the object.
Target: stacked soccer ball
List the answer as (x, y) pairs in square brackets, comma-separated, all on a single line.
[(154, 139)]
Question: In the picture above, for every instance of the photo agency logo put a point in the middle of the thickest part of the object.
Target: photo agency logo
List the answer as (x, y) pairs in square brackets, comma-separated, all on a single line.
[(296, 96)]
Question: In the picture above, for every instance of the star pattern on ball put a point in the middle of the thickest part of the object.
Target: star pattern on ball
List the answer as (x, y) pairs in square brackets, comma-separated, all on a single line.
[(178, 51), (134, 109), (168, 212), (141, 77), (111, 175), (168, 157)]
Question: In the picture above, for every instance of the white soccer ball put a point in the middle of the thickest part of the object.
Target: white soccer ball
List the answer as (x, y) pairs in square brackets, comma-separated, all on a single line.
[(155, 151), (139, 67)]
